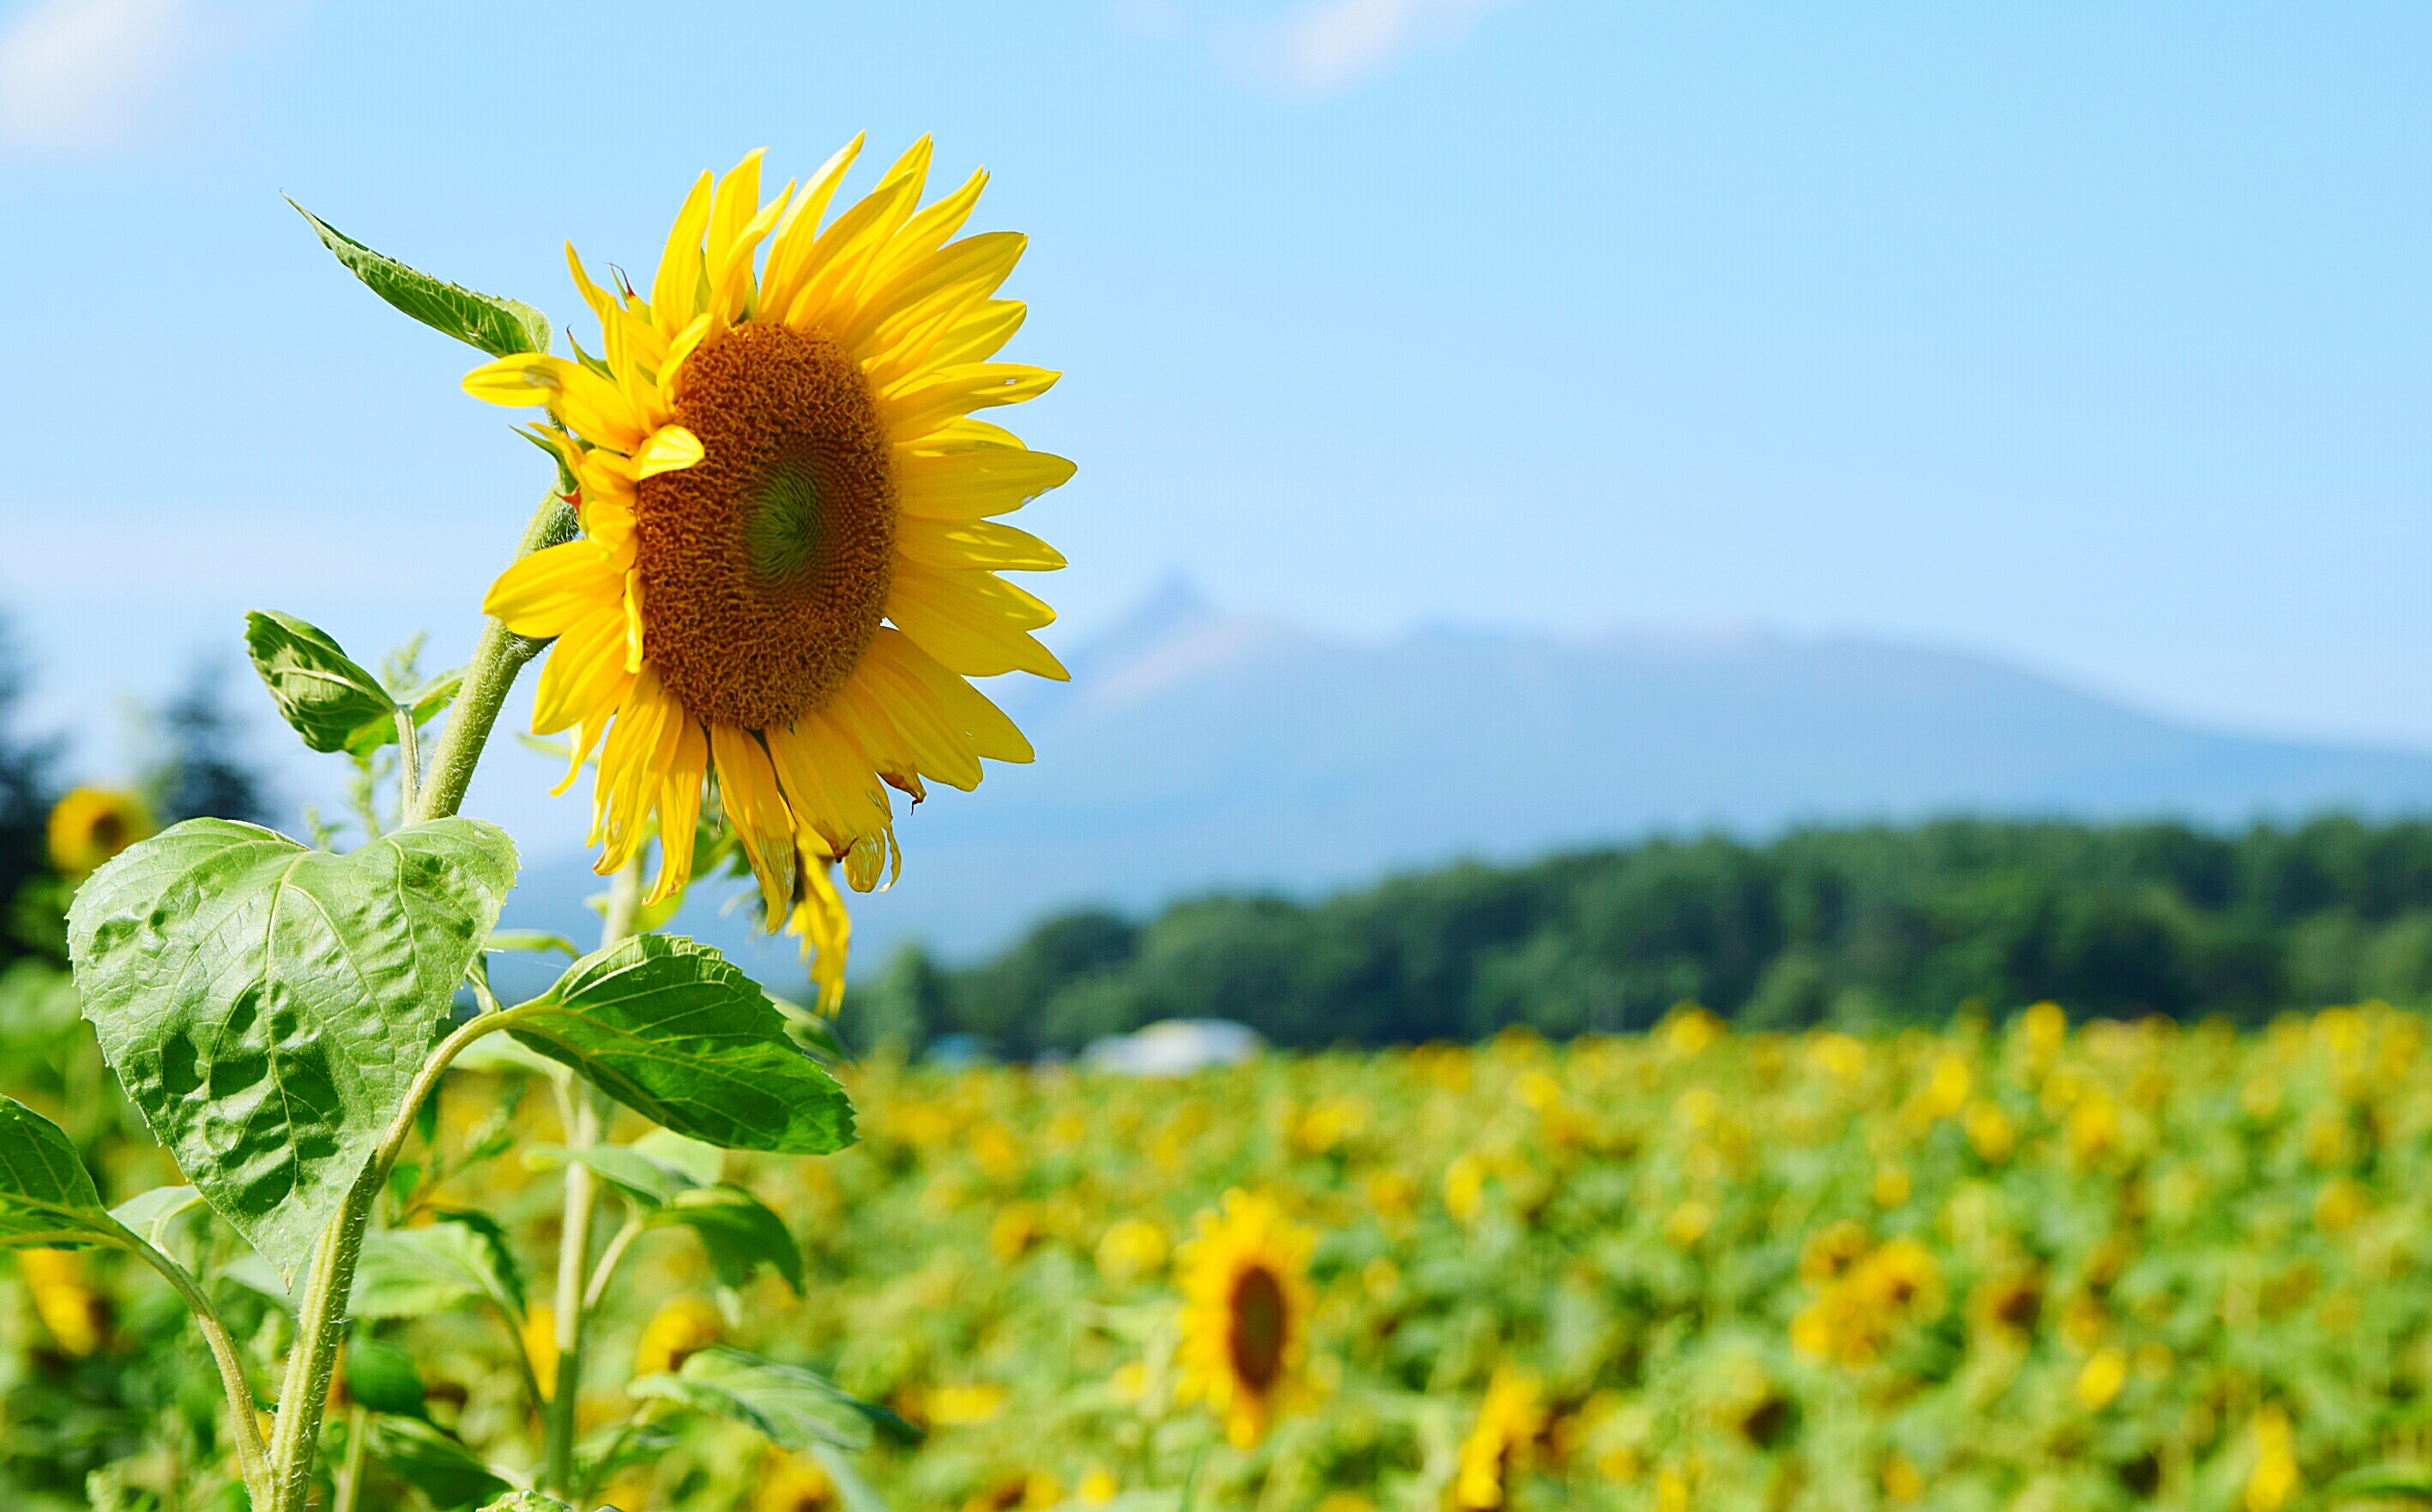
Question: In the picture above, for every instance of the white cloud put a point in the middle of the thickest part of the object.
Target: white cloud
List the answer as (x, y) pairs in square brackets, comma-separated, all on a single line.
[(76, 74), (1324, 45)]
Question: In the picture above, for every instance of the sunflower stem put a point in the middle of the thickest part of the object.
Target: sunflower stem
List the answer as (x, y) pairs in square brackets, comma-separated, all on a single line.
[(496, 662)]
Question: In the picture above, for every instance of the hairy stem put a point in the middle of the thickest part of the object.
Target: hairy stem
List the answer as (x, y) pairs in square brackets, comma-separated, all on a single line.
[(321, 1321), (496, 660), (252, 1465)]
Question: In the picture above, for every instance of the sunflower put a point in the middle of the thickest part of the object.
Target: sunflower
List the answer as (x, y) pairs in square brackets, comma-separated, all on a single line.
[(92, 824), (1502, 1440), (788, 566), (1244, 1277)]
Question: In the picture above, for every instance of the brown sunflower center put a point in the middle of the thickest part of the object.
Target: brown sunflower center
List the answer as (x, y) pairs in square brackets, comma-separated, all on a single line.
[(1258, 1340), (765, 566)]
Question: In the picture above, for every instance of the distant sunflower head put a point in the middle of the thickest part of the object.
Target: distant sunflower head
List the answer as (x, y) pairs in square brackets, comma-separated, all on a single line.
[(92, 824), (1500, 1442), (788, 561), (1244, 1277)]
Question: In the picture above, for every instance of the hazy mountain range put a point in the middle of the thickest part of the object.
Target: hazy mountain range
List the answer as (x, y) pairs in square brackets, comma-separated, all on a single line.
[(1195, 749)]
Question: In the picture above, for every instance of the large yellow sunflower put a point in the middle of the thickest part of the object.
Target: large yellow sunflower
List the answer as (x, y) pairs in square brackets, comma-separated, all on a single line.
[(787, 568), (1246, 1309)]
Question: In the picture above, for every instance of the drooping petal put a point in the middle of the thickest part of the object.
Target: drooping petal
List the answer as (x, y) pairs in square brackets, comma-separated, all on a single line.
[(584, 677), (679, 809), (826, 930), (755, 805)]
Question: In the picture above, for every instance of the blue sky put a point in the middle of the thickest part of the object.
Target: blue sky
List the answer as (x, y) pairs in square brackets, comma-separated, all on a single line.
[(2097, 338)]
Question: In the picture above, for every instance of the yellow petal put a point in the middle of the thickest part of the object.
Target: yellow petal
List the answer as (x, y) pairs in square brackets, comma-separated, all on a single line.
[(670, 450), (937, 288), (680, 810), (799, 228), (755, 806), (603, 303), (974, 623), (920, 406), (526, 378), (545, 593), (675, 289), (962, 544), (972, 485), (584, 677), (985, 727), (832, 271), (900, 726), (826, 930), (736, 202), (640, 746), (929, 230)]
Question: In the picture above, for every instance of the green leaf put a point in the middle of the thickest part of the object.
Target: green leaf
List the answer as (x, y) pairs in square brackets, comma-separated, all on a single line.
[(527, 1502), (416, 1272), (740, 1233), (2386, 1482), (433, 1463), (534, 940), (149, 1214), (855, 1492), (331, 699), (637, 1175), (267, 1005), (46, 1196), (702, 1162), (668, 1028), (815, 1032), (504, 1275), (787, 1406), (435, 696), (384, 1378), (498, 326)]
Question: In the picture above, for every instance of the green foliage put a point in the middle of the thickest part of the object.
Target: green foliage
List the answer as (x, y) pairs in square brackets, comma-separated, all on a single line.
[(416, 1272), (1851, 927), (46, 1196), (498, 326), (741, 1231), (789, 1406), (384, 1378), (668, 1028), (434, 1462), (331, 701), (267, 1005)]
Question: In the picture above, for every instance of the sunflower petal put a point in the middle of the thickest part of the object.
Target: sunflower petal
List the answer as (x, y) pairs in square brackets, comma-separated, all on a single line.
[(675, 288), (799, 228), (584, 677), (988, 730), (526, 378), (755, 805), (946, 393), (974, 622), (544, 594), (679, 809), (972, 485), (670, 450), (959, 543)]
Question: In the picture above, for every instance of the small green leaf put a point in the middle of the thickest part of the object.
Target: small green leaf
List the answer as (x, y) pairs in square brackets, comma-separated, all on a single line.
[(46, 1196), (2385, 1482), (815, 1032), (703, 1163), (149, 1214), (267, 1005), (330, 699), (534, 940), (498, 326), (528, 1502), (740, 1233), (637, 1175), (668, 1028), (433, 1462), (505, 1273), (787, 1406), (416, 1272), (384, 1378)]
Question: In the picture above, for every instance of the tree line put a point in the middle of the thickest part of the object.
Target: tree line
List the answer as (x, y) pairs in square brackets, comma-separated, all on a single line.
[(1861, 927)]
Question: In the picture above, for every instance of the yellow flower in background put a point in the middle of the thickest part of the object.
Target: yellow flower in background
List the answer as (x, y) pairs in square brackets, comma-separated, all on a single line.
[(963, 1407), (539, 1333), (1244, 1279), (788, 566), (1098, 1488), (1501, 1442), (1688, 1224), (2046, 1026), (795, 1483), (675, 1333), (1904, 1481), (77, 1315), (2099, 1384), (1132, 1250), (1465, 1185), (1691, 1029), (1989, 1130), (2274, 1478), (92, 824)]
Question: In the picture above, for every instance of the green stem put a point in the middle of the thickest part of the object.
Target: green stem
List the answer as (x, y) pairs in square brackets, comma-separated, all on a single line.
[(250, 1463), (496, 660), (350, 1472), (321, 1321), (409, 762), (573, 1304)]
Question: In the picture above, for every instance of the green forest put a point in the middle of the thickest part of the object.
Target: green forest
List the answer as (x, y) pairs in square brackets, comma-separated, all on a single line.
[(1859, 927)]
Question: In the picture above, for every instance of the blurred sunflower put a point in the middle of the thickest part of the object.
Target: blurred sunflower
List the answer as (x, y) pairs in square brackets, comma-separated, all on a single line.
[(92, 824), (1501, 1441), (788, 567), (676, 1332), (1247, 1300)]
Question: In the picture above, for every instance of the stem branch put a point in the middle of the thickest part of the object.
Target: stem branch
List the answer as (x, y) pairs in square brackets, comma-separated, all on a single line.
[(250, 1463)]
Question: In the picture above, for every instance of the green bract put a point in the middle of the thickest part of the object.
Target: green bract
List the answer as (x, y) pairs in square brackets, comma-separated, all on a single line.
[(498, 326), (266, 1005)]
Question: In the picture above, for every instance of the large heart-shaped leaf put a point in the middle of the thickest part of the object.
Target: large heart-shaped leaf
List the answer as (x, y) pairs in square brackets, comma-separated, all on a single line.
[(267, 1005), (46, 1196), (670, 1029)]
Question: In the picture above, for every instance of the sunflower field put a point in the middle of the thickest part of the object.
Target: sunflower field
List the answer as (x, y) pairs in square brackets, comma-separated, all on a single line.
[(2029, 1266)]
